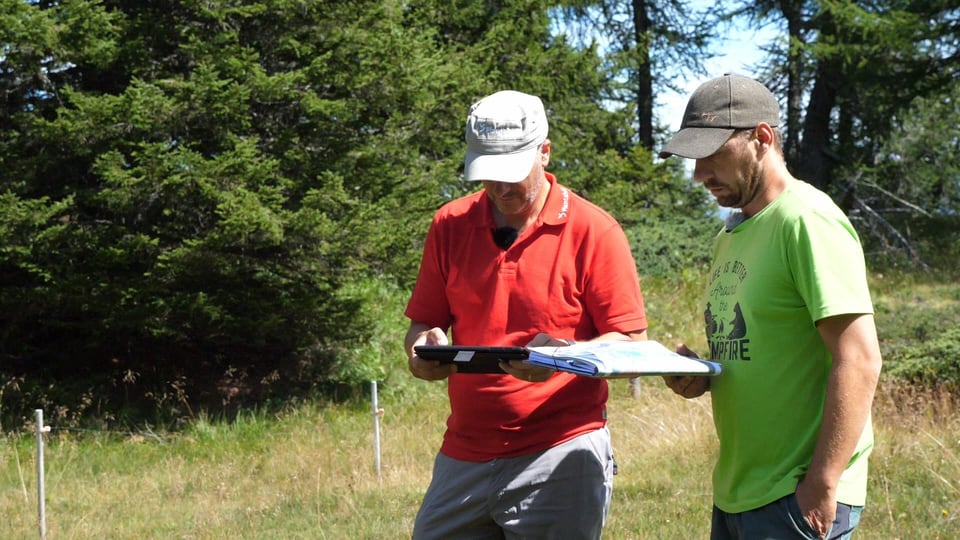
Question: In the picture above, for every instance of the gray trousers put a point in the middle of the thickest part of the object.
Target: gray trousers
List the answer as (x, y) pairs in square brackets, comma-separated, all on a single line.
[(562, 492)]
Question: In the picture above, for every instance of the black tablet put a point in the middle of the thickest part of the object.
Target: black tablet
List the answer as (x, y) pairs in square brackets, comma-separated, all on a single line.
[(471, 358)]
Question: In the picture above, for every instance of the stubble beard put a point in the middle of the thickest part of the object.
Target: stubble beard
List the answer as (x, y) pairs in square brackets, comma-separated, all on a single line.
[(748, 184)]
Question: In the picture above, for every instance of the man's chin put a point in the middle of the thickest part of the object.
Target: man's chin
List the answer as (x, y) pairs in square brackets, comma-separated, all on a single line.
[(727, 201)]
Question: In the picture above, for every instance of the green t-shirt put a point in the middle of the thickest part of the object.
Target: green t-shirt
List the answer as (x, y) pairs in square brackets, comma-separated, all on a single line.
[(772, 277)]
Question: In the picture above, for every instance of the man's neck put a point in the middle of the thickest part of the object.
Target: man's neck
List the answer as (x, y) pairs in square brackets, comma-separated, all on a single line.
[(776, 180)]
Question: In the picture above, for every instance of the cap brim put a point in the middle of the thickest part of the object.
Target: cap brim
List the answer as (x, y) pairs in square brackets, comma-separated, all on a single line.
[(510, 168), (696, 142)]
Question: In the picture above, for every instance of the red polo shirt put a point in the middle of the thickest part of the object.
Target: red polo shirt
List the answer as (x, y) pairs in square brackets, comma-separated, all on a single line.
[(571, 275)]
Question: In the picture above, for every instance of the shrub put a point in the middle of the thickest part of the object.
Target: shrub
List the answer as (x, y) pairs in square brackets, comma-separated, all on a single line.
[(931, 362)]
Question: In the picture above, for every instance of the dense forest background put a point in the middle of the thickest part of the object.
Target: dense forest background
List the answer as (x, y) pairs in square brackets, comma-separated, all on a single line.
[(200, 202)]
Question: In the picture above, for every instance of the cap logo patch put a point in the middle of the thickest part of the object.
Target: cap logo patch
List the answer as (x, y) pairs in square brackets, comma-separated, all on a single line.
[(493, 129)]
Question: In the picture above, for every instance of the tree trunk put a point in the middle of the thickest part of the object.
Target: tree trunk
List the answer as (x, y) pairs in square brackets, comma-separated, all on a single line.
[(815, 162), (641, 29), (793, 12)]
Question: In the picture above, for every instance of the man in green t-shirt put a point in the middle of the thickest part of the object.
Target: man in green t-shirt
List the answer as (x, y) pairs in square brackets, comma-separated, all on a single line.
[(788, 314)]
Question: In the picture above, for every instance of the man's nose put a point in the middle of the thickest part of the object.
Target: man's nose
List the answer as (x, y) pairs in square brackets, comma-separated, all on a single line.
[(700, 172), (502, 188)]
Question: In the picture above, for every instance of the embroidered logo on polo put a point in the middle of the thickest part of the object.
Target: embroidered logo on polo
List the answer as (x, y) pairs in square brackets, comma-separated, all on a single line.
[(725, 326), (565, 206)]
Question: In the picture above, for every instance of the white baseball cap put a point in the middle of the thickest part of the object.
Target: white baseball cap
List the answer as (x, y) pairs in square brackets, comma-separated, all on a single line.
[(504, 132)]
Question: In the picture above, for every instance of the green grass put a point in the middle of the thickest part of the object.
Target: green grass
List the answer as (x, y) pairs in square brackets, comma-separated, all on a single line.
[(308, 471)]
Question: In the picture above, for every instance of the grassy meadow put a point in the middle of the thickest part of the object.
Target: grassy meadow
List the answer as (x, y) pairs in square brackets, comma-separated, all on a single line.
[(309, 471)]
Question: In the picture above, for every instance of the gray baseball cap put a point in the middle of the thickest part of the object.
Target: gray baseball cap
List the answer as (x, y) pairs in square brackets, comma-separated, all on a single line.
[(716, 109)]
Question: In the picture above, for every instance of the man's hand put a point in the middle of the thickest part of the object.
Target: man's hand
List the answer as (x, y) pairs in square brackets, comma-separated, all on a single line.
[(428, 370), (546, 340), (531, 373), (525, 371), (818, 506), (688, 386)]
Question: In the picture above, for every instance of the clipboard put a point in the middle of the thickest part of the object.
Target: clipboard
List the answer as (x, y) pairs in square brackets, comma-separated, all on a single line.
[(472, 358), (620, 359)]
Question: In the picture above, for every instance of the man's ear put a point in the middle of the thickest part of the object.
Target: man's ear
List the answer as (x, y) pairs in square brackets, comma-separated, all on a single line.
[(545, 152), (764, 135)]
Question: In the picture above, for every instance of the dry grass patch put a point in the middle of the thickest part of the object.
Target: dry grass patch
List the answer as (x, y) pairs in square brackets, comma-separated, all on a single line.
[(309, 472)]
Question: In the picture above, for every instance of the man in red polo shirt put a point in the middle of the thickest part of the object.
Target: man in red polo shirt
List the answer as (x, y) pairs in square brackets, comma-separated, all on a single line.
[(524, 261)]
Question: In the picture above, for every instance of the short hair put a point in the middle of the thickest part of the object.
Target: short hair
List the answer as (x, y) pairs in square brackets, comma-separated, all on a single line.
[(777, 137)]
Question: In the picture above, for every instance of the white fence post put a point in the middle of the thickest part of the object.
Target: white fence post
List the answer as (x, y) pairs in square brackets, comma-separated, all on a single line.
[(41, 495), (376, 427)]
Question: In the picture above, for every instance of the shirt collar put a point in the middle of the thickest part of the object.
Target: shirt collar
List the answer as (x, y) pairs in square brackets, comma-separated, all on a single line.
[(556, 210)]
